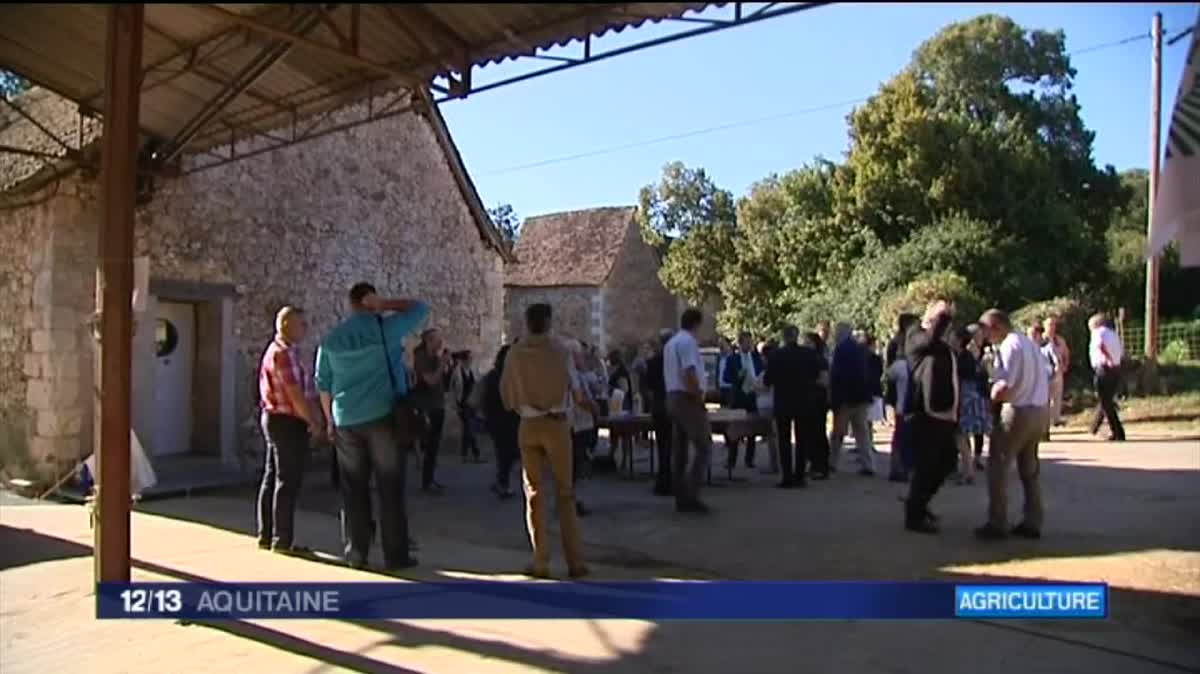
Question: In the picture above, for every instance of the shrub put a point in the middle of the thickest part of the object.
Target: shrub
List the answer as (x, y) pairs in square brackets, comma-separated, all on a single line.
[(914, 297), (1072, 325), (1175, 352)]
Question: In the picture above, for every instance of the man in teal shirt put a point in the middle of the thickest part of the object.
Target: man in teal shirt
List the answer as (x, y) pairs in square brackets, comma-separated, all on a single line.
[(361, 377)]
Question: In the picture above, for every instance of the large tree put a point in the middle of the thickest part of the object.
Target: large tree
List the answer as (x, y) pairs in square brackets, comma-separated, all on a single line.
[(691, 222), (983, 122), (788, 243), (1124, 285)]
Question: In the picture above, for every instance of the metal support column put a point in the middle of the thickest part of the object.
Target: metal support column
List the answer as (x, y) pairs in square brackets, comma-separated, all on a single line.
[(122, 89)]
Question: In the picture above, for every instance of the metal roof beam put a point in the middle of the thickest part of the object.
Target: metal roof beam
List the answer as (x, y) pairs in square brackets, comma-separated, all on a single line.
[(335, 29), (41, 127), (219, 38), (222, 78), (589, 56), (242, 81), (310, 134), (416, 24), (345, 57)]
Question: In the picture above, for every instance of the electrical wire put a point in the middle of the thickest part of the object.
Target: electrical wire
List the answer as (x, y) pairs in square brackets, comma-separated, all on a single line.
[(745, 123)]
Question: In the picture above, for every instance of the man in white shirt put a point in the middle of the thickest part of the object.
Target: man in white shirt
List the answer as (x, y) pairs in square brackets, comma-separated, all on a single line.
[(1106, 353), (1021, 384), (683, 372)]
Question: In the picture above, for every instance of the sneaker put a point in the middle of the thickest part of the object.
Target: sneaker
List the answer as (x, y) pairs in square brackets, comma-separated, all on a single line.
[(1025, 531)]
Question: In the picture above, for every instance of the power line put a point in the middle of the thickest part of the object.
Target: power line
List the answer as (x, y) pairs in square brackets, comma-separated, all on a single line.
[(747, 122), (678, 136), (1108, 45)]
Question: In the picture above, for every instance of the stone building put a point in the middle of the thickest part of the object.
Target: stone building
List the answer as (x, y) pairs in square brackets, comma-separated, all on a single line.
[(388, 202), (598, 273)]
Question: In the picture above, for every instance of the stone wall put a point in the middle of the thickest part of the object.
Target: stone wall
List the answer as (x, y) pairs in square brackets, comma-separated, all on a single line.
[(47, 282), (302, 224), (572, 306), (298, 225), (636, 305), (22, 252)]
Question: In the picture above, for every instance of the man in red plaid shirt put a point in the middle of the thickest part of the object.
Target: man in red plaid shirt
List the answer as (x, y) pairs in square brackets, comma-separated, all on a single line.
[(290, 417)]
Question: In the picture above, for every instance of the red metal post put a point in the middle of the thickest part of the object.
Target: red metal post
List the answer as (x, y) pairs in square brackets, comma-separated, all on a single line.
[(118, 172)]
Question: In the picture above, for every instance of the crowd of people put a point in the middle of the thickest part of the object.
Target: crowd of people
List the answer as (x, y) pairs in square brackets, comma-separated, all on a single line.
[(545, 397)]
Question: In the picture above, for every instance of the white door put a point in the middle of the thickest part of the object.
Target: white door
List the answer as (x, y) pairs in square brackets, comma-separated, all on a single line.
[(175, 353)]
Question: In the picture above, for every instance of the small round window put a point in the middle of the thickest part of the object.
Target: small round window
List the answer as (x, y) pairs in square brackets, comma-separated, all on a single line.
[(166, 337)]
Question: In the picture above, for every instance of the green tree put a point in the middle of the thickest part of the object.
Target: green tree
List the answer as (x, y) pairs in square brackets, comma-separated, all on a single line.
[(694, 263), (682, 199), (914, 297), (1125, 283), (789, 244), (983, 122), (691, 223)]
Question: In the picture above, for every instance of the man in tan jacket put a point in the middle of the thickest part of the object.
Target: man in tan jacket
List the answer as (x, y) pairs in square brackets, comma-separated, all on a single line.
[(538, 385)]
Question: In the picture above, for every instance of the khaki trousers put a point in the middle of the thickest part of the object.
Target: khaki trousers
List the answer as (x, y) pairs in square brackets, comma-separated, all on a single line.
[(1015, 440), (547, 440), (1056, 399)]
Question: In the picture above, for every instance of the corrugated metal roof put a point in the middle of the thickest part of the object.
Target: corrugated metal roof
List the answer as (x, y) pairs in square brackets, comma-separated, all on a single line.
[(191, 51)]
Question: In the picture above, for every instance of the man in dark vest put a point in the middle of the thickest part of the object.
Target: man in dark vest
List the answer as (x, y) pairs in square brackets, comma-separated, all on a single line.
[(657, 389), (462, 383), (795, 373), (931, 412)]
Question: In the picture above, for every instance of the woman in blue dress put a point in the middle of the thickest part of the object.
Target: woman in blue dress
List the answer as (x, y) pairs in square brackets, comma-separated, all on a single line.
[(974, 415)]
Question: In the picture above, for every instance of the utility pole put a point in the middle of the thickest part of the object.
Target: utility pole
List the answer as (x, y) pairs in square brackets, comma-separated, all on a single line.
[(1151, 351)]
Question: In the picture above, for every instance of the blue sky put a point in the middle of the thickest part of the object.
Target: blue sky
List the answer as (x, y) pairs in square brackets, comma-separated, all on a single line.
[(782, 84)]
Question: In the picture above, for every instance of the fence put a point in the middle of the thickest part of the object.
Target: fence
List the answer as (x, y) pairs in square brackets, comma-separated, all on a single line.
[(1179, 341)]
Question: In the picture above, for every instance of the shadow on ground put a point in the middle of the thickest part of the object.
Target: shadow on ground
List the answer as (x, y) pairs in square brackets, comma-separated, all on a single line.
[(22, 547), (846, 529), (709, 646)]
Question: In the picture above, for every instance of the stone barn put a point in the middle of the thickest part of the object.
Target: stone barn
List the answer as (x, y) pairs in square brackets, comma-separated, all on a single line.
[(388, 202), (598, 273)]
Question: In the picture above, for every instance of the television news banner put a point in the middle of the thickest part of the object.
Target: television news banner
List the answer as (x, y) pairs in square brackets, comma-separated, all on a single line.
[(642, 600)]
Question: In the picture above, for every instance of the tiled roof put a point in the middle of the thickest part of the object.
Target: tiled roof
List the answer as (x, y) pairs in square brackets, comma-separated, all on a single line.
[(576, 248)]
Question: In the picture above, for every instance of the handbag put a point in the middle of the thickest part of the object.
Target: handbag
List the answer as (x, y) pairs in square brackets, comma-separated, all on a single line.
[(409, 421)]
